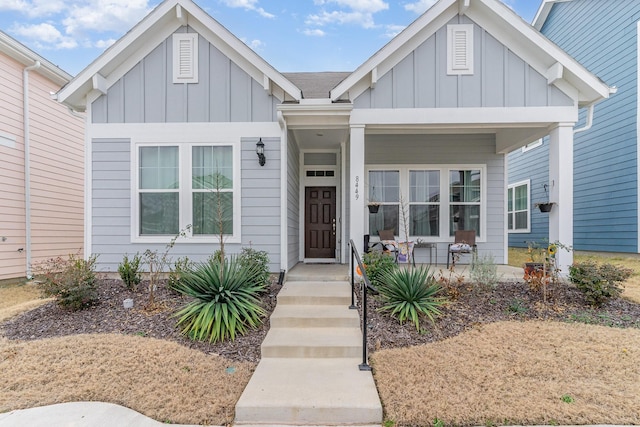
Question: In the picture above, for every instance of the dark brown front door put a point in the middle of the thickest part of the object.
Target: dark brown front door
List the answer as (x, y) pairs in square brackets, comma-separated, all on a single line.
[(320, 222)]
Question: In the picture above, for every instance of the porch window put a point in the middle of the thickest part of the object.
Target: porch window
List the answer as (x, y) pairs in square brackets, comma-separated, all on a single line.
[(464, 200), (384, 188), (159, 190), (212, 189), (518, 207), (424, 202)]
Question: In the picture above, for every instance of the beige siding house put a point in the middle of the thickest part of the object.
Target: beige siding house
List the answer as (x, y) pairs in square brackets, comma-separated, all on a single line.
[(41, 172)]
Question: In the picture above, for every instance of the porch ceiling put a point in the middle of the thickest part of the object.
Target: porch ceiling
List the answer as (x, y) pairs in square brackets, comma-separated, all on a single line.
[(320, 138)]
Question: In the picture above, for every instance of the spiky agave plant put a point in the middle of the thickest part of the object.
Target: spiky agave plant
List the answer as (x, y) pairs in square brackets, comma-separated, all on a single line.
[(409, 293), (225, 301)]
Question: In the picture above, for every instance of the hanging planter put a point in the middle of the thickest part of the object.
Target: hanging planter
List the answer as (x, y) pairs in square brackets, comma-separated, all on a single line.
[(373, 208), (545, 206)]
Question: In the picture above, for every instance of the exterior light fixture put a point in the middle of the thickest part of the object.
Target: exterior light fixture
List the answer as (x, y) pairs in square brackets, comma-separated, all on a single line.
[(260, 152)]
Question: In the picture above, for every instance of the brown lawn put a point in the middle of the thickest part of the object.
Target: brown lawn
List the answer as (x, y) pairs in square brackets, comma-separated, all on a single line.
[(17, 298)]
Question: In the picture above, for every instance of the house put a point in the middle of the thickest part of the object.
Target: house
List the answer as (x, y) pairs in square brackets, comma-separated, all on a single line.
[(184, 120), (603, 36), (42, 168)]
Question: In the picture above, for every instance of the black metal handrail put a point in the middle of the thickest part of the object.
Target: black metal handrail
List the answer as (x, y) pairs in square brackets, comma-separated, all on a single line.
[(366, 286)]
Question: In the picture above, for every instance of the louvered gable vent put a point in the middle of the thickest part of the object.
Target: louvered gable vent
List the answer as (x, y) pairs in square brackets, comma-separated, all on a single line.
[(460, 49), (185, 58)]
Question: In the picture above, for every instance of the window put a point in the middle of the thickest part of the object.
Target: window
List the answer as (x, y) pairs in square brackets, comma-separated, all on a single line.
[(518, 207), (429, 203), (464, 200), (187, 184), (424, 203), (460, 49), (384, 188)]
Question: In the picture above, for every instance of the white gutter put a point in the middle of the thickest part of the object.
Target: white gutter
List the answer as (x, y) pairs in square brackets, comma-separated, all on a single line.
[(589, 123), (27, 162)]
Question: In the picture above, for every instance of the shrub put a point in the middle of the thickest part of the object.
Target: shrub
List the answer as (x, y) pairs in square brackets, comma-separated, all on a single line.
[(378, 263), (225, 300), (129, 270), (181, 265), (409, 293), (484, 271), (599, 283), (72, 281), (250, 258)]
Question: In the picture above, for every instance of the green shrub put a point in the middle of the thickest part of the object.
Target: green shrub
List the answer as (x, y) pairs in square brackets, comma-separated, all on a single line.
[(225, 300), (599, 283), (378, 263), (71, 281), (484, 271), (250, 258), (129, 270), (181, 265), (409, 293)]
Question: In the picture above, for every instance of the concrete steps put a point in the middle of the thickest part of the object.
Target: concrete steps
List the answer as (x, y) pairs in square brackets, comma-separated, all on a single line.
[(309, 372)]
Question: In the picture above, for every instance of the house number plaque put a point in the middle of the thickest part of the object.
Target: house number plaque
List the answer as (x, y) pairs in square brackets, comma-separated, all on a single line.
[(357, 192)]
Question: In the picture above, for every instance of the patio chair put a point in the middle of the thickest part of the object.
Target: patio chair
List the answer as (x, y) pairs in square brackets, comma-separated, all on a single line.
[(388, 243), (464, 243)]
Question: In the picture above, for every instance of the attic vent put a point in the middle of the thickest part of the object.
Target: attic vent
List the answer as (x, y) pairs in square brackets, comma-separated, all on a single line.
[(460, 49), (185, 58)]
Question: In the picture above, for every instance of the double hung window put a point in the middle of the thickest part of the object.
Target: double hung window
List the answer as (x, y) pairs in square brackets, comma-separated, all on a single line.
[(518, 207)]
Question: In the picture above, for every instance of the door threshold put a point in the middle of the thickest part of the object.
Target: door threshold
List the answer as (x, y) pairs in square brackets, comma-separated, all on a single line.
[(320, 261)]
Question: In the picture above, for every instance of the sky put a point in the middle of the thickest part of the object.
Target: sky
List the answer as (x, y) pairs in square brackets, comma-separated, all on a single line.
[(291, 35)]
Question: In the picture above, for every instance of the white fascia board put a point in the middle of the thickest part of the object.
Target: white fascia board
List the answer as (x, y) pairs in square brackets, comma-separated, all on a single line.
[(398, 47), (182, 132), (535, 49), (543, 13), (74, 93), (499, 116)]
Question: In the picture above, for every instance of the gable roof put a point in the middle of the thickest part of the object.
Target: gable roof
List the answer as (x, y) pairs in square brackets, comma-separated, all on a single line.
[(543, 12), (163, 21), (316, 85), (503, 24), (27, 57)]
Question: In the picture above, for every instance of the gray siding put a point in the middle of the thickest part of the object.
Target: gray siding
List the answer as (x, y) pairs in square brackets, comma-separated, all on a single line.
[(111, 205), (602, 37), (147, 94), (451, 150), (293, 203), (501, 79)]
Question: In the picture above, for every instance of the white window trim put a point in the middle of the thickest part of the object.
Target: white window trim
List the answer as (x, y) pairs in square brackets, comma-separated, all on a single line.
[(531, 146), (190, 74), (453, 67), (185, 191), (526, 182), (444, 197)]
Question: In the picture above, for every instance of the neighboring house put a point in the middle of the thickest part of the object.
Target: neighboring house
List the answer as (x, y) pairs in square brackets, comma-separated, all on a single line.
[(603, 36), (178, 108), (42, 167)]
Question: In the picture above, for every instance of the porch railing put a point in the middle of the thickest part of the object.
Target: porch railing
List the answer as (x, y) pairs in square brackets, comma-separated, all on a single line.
[(366, 288)]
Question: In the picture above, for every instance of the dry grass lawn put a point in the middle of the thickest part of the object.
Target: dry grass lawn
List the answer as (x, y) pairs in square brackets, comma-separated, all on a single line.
[(18, 298), (160, 379), (518, 256), (515, 373)]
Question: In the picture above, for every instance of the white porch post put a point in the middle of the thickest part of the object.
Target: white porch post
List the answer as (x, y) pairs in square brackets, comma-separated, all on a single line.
[(561, 192), (356, 188)]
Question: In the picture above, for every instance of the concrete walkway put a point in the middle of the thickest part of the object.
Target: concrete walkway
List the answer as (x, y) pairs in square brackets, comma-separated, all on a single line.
[(309, 373)]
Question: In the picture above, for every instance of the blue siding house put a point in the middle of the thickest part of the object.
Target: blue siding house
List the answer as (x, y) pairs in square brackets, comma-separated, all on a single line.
[(604, 37), (183, 118)]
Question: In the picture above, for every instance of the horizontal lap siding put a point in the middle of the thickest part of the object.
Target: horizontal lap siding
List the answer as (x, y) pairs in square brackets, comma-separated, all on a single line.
[(500, 79), (451, 150), (603, 37)]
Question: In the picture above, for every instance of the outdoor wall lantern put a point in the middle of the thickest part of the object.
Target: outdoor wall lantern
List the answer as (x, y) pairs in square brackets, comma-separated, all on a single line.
[(260, 152)]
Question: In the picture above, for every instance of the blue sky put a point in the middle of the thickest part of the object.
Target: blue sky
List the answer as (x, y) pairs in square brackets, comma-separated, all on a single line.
[(292, 35)]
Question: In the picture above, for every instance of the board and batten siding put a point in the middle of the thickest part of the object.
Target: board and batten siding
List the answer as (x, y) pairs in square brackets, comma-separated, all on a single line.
[(111, 206), (603, 36), (147, 94), (501, 79), (56, 170), (533, 165), (455, 150), (293, 203)]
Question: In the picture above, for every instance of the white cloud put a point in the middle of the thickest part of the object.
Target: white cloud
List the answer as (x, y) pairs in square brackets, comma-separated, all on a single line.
[(105, 15), (393, 30), (103, 44), (34, 8), (420, 6), (314, 32), (249, 5), (339, 17), (370, 6), (45, 36), (254, 44)]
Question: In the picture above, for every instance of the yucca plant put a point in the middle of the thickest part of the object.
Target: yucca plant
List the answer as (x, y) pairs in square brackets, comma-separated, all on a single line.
[(409, 293), (225, 300)]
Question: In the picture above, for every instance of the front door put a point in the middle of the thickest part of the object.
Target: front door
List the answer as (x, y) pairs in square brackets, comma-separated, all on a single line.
[(320, 222)]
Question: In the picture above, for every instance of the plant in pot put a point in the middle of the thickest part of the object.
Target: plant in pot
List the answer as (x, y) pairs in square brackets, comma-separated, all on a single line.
[(545, 206), (373, 207)]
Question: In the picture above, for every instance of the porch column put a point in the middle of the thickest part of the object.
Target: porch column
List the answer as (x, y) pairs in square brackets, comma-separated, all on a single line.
[(357, 194), (561, 192)]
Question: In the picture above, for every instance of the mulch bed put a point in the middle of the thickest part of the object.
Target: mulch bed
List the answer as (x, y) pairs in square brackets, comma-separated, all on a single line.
[(469, 306)]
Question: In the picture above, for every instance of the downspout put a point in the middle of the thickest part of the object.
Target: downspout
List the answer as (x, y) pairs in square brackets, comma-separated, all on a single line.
[(27, 168), (589, 123)]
